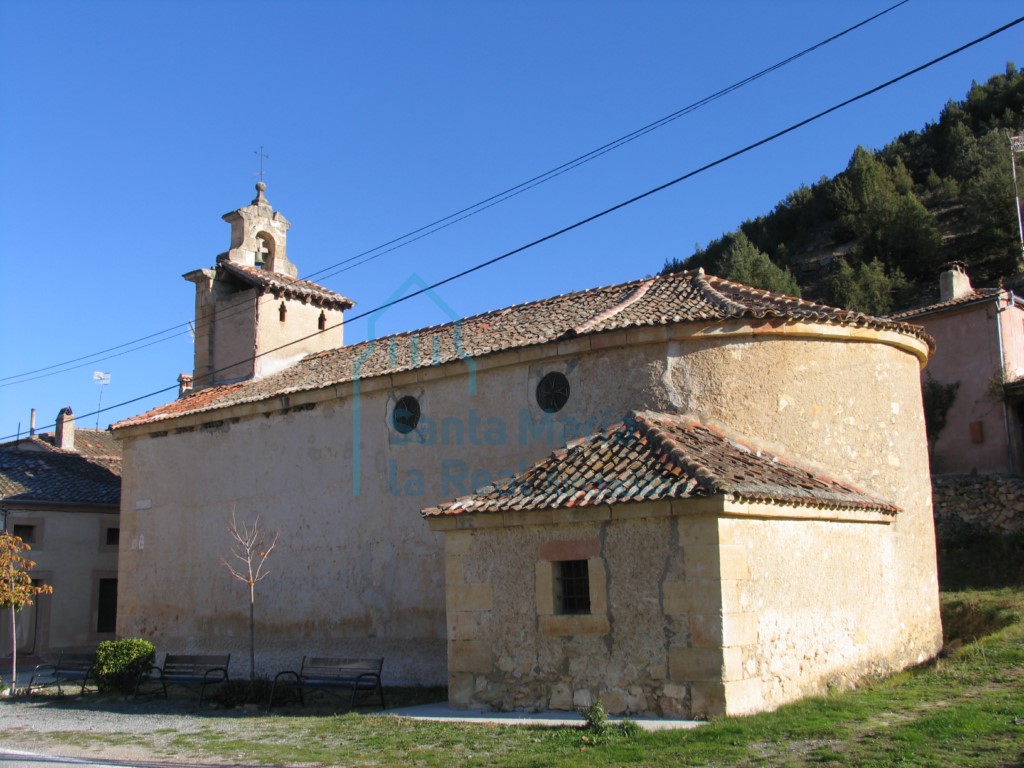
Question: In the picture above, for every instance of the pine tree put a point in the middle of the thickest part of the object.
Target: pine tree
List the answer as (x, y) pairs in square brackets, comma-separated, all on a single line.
[(744, 263)]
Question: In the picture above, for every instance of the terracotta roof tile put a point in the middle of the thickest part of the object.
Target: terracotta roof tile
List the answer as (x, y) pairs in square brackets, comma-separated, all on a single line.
[(60, 477), (91, 443), (980, 294), (280, 284), (651, 456), (676, 298)]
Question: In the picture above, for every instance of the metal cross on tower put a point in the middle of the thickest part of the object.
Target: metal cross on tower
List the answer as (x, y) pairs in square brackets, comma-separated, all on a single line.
[(263, 156)]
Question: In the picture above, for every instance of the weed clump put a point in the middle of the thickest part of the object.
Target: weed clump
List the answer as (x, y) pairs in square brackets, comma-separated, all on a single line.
[(596, 717)]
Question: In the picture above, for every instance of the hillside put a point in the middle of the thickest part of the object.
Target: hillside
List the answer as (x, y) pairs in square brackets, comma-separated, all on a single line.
[(874, 237)]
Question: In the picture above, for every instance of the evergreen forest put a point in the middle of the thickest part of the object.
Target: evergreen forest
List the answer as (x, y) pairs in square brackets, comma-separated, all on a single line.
[(874, 237)]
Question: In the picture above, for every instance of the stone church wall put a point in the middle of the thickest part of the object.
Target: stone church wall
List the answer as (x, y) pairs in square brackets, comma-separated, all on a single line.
[(358, 572), (692, 614), (850, 409)]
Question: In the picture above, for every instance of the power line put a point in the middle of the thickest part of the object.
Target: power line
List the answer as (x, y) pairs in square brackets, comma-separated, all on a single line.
[(518, 189), (612, 209), (454, 218)]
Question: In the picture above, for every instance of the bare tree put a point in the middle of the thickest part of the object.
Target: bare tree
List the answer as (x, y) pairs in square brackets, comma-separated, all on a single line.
[(249, 548), (16, 588)]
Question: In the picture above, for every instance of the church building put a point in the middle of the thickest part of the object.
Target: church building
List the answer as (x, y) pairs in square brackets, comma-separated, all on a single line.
[(679, 494)]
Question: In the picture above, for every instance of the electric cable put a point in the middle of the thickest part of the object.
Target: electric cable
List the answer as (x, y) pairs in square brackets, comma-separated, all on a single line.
[(601, 214), (454, 218)]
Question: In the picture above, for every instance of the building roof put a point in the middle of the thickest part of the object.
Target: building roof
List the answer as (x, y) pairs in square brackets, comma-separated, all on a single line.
[(59, 477), (676, 298), (651, 456), (279, 284), (976, 295), (91, 443), (96, 445)]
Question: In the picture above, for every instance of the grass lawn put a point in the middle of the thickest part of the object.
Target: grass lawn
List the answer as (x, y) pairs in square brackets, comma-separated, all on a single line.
[(966, 710)]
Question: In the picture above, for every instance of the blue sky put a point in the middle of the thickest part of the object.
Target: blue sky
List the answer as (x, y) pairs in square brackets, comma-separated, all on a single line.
[(127, 129)]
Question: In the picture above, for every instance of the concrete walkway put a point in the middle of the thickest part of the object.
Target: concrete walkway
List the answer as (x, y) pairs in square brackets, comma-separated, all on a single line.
[(444, 713)]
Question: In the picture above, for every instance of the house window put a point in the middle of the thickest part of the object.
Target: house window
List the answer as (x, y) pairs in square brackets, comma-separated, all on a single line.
[(282, 312), (553, 392), (27, 533), (406, 415), (112, 536), (106, 613), (572, 587), (322, 322)]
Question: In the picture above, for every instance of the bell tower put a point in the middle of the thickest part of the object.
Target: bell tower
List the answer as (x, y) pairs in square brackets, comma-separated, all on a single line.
[(259, 236), (254, 316)]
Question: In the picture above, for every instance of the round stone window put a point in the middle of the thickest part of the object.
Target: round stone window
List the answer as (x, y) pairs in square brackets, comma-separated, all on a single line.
[(553, 392), (406, 415)]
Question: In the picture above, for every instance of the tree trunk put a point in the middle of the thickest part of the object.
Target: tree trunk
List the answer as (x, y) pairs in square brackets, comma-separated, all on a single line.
[(252, 641), (14, 653)]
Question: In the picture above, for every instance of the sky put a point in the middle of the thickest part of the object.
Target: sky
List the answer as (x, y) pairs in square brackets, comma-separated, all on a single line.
[(128, 129)]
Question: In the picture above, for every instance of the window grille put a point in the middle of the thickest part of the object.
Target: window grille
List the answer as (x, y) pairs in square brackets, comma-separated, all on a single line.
[(553, 392), (573, 582)]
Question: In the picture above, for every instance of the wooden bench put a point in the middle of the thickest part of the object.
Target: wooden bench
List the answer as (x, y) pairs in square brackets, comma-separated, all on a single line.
[(181, 669), (69, 667), (329, 674)]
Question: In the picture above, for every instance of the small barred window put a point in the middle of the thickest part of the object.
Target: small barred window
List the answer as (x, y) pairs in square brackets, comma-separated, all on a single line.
[(572, 585)]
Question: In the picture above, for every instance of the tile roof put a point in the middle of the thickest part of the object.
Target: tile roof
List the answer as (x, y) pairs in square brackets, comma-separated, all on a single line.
[(96, 445), (60, 477), (980, 294), (651, 456), (279, 284), (91, 443), (681, 297)]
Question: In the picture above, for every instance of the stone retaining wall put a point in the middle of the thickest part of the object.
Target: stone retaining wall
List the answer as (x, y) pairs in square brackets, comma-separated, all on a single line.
[(989, 503)]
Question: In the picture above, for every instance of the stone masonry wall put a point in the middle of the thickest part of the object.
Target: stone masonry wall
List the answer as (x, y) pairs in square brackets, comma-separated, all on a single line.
[(988, 503)]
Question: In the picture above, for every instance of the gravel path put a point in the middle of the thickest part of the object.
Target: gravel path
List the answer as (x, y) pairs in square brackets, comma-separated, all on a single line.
[(116, 729)]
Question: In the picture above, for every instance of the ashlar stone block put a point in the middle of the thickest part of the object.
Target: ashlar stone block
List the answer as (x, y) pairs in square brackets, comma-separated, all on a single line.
[(469, 656), (470, 597)]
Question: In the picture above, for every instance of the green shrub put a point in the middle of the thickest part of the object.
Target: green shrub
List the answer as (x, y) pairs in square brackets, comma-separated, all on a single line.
[(119, 662), (596, 717)]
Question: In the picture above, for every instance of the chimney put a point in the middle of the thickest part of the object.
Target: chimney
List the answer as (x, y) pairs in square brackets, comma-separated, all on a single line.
[(184, 384), (954, 282), (32, 423), (65, 434)]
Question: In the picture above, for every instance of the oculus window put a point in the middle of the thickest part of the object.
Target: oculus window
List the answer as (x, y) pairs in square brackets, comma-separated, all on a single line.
[(553, 392), (406, 415)]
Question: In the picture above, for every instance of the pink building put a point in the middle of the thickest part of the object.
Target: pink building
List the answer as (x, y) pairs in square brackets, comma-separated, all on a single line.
[(979, 360)]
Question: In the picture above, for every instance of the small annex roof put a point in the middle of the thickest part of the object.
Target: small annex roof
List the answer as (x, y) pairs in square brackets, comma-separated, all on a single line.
[(58, 477), (650, 456), (975, 296), (681, 297), (279, 284)]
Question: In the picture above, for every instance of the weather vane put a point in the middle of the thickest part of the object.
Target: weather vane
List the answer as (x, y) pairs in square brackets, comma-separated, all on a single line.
[(263, 156)]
